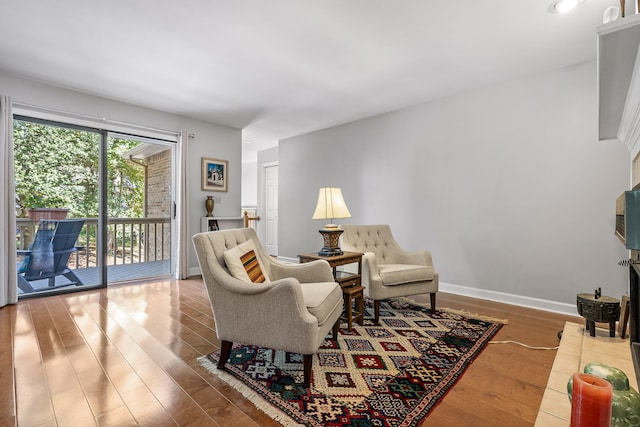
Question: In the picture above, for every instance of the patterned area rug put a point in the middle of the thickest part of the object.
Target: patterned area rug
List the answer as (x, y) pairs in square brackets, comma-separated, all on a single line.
[(387, 375)]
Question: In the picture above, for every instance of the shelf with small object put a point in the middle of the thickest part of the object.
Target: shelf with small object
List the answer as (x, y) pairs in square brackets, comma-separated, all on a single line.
[(220, 223)]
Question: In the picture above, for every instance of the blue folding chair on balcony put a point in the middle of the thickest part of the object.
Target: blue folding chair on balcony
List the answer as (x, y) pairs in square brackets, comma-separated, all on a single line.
[(49, 254)]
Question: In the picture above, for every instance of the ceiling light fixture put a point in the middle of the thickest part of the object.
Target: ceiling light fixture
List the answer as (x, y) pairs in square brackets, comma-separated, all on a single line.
[(563, 6)]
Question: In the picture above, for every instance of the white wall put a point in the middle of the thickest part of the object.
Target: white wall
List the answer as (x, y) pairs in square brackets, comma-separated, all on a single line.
[(210, 140), (249, 184), (506, 186)]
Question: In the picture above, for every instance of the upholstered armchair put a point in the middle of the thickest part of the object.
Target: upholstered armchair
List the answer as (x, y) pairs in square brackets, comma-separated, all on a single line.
[(388, 271), (293, 308)]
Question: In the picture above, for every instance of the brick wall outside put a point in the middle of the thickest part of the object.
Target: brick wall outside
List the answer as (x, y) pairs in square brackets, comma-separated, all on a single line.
[(158, 203)]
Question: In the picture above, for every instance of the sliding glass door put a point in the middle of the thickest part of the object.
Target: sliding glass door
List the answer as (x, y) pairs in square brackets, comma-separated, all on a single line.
[(92, 207)]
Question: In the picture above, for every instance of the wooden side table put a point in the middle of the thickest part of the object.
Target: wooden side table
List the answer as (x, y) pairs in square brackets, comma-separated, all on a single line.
[(353, 295), (351, 283)]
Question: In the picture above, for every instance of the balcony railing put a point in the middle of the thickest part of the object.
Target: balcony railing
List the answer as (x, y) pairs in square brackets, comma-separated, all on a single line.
[(130, 240)]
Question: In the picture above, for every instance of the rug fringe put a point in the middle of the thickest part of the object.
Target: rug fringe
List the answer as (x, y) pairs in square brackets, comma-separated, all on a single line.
[(248, 393), (460, 312)]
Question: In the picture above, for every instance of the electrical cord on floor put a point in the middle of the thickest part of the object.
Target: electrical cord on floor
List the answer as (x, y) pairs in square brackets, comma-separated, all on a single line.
[(523, 345)]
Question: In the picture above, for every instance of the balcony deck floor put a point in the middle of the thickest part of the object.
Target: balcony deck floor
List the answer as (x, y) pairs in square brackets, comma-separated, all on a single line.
[(115, 273)]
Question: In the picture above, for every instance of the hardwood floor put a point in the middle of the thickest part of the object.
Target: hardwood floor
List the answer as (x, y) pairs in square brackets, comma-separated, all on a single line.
[(127, 356)]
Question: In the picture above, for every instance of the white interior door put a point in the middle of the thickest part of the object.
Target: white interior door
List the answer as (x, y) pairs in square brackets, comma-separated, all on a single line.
[(271, 209)]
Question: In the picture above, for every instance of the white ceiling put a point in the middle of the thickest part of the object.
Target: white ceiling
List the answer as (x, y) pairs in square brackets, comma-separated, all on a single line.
[(280, 68)]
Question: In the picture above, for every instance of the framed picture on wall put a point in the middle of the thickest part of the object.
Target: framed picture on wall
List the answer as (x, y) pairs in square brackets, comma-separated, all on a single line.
[(214, 174)]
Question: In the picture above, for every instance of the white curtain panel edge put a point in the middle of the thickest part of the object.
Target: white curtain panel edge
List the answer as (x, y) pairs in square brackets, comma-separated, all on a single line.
[(8, 283)]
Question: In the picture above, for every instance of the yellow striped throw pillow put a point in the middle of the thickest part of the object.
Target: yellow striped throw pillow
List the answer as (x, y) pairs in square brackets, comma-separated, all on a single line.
[(243, 263), (252, 267)]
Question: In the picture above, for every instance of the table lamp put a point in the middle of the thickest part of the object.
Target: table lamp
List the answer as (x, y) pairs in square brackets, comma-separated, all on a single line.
[(330, 205)]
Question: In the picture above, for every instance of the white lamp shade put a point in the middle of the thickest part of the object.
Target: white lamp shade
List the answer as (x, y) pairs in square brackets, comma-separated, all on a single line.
[(331, 205)]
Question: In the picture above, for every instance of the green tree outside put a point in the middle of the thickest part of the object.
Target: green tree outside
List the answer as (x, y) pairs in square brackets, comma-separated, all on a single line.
[(57, 167)]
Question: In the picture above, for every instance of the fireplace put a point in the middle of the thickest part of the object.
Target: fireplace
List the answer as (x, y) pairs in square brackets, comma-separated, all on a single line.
[(634, 317), (628, 230)]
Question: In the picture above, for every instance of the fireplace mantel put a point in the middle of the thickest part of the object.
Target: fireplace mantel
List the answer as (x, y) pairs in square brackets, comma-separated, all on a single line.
[(619, 81)]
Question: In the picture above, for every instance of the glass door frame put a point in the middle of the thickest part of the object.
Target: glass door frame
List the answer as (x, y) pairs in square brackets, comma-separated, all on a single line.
[(173, 235), (102, 220)]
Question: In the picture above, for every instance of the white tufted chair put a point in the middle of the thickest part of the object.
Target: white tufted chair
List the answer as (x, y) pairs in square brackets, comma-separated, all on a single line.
[(388, 271), (293, 312)]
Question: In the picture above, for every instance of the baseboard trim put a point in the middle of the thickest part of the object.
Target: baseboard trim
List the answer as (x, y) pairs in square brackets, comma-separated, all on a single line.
[(513, 299), (503, 297)]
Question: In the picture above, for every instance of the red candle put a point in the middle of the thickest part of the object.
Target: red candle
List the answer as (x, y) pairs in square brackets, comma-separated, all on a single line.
[(590, 401)]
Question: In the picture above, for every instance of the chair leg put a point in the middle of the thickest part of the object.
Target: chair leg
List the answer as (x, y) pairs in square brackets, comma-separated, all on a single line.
[(25, 285), (71, 276), (225, 351), (433, 301), (336, 327), (307, 362), (376, 310)]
